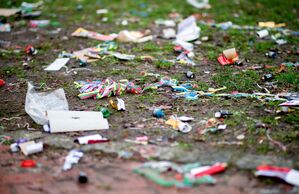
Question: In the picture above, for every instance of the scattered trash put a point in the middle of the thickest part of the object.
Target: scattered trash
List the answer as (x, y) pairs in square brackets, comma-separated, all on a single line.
[(208, 170), (66, 121), (223, 114), (108, 88), (72, 158), (28, 164), (228, 57), (190, 75), (134, 36), (159, 113), (121, 56), (289, 175), (240, 137), (38, 23), (120, 106), (279, 39), (271, 24), (185, 118), (188, 30), (221, 127), (8, 12), (268, 77), (30, 50), (106, 113), (5, 27), (91, 139), (81, 32), (168, 174), (200, 4), (169, 33), (139, 140), (2, 83), (37, 104), (79, 7), (178, 124), (262, 33), (290, 103), (57, 64), (30, 147), (271, 54), (168, 23), (102, 11), (82, 178)]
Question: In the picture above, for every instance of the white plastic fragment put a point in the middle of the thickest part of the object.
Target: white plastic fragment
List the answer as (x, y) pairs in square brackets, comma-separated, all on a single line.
[(184, 127), (72, 158), (168, 23), (102, 11), (186, 45), (221, 127), (185, 118), (85, 139), (31, 147), (169, 33), (293, 177), (200, 4), (122, 56), (57, 64), (294, 102), (262, 33), (120, 104), (281, 41), (46, 128), (14, 147)]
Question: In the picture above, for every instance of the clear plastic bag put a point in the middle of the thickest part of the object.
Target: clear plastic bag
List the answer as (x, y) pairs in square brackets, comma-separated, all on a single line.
[(37, 103)]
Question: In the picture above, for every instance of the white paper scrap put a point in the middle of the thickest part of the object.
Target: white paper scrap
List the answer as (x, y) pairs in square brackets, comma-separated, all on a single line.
[(57, 64)]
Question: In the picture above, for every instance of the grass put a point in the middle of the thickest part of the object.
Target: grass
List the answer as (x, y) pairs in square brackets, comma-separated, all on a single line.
[(161, 64), (12, 71), (244, 81), (289, 79)]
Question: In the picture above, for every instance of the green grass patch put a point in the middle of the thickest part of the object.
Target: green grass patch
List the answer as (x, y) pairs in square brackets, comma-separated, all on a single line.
[(161, 64), (243, 81)]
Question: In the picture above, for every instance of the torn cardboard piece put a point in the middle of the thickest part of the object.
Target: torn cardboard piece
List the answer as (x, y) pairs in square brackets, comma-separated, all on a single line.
[(66, 121), (57, 64), (8, 12)]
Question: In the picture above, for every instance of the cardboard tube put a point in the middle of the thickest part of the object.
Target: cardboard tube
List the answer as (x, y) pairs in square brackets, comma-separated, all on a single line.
[(262, 33)]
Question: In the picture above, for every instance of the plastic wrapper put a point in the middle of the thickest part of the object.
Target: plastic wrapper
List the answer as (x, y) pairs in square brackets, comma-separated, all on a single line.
[(37, 103)]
